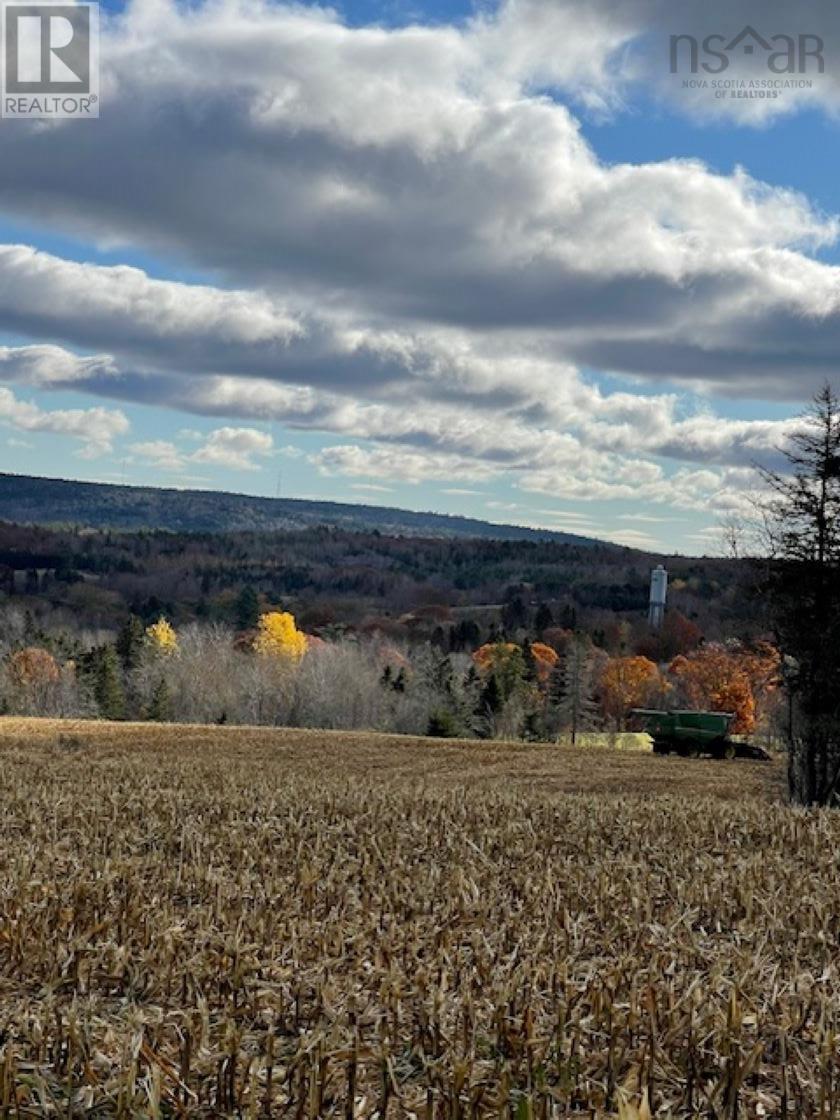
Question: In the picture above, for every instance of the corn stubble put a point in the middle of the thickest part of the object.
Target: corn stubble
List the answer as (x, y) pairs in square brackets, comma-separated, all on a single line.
[(232, 922)]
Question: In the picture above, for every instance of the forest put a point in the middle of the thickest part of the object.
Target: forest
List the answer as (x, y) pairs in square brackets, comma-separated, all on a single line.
[(328, 628), (336, 581)]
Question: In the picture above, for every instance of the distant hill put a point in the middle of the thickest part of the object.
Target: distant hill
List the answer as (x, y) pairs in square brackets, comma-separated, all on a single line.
[(61, 502)]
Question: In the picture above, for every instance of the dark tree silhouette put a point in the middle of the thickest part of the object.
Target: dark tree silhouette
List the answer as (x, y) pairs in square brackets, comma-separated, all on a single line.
[(802, 521)]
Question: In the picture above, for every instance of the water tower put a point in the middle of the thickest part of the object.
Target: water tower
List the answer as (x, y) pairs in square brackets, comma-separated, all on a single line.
[(658, 595)]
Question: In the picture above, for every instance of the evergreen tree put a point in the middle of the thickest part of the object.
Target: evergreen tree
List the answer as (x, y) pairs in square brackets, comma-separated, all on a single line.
[(529, 672), (568, 617), (129, 644), (514, 615), (543, 619), (247, 609), (437, 671), (803, 523), (491, 699), (107, 684), (464, 635), (443, 724), (160, 705)]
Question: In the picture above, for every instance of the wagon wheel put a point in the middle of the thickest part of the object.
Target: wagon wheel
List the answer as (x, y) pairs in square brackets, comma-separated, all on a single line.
[(729, 751)]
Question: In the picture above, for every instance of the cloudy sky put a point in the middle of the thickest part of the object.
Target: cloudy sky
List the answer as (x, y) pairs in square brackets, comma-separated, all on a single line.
[(487, 260)]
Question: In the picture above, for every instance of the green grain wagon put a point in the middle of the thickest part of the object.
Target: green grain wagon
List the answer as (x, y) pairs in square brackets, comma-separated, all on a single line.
[(695, 733)]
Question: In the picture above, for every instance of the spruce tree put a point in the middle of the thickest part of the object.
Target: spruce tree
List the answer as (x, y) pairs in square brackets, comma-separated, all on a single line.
[(543, 619), (107, 684), (160, 705), (802, 518), (129, 642), (247, 608)]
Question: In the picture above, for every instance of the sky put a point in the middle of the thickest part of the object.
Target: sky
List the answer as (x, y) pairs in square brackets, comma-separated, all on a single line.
[(506, 260)]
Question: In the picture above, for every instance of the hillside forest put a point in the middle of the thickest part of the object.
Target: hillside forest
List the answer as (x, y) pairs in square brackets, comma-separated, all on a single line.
[(331, 628)]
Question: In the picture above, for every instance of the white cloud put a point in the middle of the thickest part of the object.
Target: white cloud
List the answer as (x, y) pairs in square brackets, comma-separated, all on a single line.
[(43, 365), (161, 453), (398, 465), (233, 448), (604, 54), (410, 245), (96, 428), (645, 519), (369, 191)]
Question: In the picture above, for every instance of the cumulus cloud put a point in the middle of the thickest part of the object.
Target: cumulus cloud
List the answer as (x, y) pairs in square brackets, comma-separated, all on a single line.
[(233, 448), (362, 180), (406, 242), (161, 453), (96, 428), (601, 53), (46, 365), (392, 464)]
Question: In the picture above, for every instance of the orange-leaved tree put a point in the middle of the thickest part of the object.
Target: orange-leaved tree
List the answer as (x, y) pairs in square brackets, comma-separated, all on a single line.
[(35, 676), (32, 667), (545, 658), (504, 661), (279, 637), (716, 678), (627, 682)]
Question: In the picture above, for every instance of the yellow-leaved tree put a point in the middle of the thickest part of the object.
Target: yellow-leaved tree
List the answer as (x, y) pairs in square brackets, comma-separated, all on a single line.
[(162, 637), (278, 636)]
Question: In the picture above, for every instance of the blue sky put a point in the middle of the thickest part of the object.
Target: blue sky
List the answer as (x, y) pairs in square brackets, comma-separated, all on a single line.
[(489, 261)]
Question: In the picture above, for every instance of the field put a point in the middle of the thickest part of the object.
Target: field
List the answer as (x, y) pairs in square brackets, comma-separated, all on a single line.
[(247, 922)]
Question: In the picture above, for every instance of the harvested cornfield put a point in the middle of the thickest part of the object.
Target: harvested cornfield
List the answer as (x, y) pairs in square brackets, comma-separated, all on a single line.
[(234, 922)]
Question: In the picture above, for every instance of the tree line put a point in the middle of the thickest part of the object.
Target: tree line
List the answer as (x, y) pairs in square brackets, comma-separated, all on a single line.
[(558, 686)]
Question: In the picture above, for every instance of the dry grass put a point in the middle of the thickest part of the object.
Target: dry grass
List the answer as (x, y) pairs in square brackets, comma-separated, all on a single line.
[(246, 922)]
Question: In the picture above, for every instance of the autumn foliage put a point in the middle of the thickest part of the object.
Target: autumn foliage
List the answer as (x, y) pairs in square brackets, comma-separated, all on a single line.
[(495, 655), (728, 679), (502, 657), (162, 637), (627, 682), (32, 667), (545, 659), (279, 637)]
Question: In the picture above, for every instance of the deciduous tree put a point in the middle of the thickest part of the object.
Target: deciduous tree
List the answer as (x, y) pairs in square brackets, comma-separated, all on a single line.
[(162, 637), (279, 637), (627, 682), (716, 678)]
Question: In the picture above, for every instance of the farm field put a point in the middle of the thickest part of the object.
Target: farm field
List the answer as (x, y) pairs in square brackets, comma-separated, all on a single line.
[(251, 922)]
